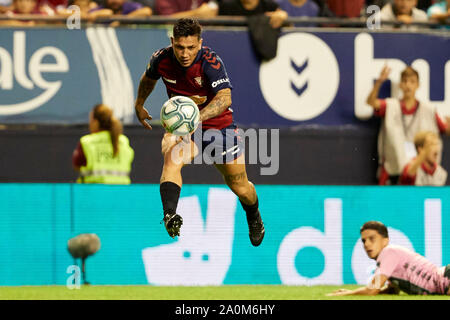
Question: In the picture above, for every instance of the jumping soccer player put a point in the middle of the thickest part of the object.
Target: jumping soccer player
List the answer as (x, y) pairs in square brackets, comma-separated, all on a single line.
[(398, 268), (188, 69)]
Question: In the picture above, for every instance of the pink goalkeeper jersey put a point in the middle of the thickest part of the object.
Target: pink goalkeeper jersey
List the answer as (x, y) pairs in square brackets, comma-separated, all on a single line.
[(411, 272)]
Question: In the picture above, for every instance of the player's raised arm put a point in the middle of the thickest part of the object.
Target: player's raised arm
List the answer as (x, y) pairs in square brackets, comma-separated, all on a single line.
[(218, 104), (146, 86), (372, 99)]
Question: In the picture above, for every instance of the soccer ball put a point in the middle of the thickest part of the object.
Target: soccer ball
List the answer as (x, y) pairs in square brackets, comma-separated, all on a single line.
[(180, 115)]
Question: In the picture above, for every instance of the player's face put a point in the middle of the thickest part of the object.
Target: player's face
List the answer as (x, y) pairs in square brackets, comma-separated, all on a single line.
[(409, 86), (405, 6), (373, 243), (186, 49)]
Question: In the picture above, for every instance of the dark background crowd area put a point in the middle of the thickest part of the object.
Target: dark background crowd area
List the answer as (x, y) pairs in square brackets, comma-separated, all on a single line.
[(92, 10)]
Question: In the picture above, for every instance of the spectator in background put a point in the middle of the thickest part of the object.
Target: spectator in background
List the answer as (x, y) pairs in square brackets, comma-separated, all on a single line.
[(87, 10), (324, 10), (19, 7), (424, 169), (402, 120), (123, 7), (299, 8), (421, 4), (425, 4), (404, 11), (379, 3), (104, 155), (186, 8), (147, 3), (439, 12), (5, 5), (52, 6), (347, 8), (254, 7)]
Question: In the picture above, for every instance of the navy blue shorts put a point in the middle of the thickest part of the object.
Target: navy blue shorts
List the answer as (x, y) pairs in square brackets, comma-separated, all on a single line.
[(219, 146)]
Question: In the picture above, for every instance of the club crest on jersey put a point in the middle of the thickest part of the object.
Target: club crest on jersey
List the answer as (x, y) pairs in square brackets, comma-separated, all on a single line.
[(199, 81)]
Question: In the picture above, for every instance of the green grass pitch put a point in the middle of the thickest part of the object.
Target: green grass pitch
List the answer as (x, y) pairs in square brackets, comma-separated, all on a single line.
[(225, 292)]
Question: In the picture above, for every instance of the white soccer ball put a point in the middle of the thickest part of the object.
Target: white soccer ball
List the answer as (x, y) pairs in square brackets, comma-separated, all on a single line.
[(180, 115)]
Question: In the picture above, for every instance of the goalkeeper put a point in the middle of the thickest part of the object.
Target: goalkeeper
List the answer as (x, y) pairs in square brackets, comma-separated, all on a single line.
[(398, 269)]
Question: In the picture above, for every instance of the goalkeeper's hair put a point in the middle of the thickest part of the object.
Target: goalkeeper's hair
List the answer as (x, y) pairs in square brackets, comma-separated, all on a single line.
[(377, 226), (104, 115)]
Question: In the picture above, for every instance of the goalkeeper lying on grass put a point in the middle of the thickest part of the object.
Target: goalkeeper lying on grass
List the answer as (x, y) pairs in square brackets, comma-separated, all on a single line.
[(398, 268)]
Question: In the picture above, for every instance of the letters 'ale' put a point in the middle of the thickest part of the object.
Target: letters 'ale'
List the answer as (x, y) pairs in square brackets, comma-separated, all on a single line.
[(14, 67)]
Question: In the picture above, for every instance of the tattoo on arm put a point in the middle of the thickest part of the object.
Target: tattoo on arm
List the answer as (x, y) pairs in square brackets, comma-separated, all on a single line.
[(146, 86), (217, 105)]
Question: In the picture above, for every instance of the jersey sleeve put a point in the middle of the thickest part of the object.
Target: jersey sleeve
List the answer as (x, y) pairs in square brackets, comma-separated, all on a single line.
[(214, 70), (78, 157), (405, 178), (152, 67), (387, 262), (442, 124), (381, 112)]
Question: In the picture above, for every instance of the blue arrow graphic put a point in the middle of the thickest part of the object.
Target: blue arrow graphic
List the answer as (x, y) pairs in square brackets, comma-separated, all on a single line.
[(299, 91), (299, 70)]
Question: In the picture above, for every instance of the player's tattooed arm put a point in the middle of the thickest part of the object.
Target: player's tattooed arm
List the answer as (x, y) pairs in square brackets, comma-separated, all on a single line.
[(218, 104), (146, 86)]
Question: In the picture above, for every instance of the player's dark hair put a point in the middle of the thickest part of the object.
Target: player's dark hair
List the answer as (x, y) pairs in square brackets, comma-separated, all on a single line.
[(409, 72), (187, 27), (104, 115), (377, 226)]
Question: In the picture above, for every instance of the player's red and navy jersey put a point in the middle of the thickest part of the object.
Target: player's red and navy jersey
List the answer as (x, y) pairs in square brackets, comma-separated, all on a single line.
[(201, 81)]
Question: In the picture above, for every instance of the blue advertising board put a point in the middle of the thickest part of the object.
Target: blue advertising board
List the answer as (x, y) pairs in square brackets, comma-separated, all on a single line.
[(318, 76), (312, 233)]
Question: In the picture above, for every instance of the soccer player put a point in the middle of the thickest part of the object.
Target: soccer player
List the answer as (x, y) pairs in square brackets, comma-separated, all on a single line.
[(398, 268), (189, 69)]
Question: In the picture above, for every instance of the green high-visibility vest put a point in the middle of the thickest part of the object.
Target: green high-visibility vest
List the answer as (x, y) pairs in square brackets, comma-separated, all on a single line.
[(101, 165)]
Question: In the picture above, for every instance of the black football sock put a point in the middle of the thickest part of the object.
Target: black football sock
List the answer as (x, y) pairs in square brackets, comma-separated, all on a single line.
[(170, 192), (251, 210)]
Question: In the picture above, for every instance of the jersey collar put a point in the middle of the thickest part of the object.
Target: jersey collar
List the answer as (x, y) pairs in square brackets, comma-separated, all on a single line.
[(428, 170), (412, 110)]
